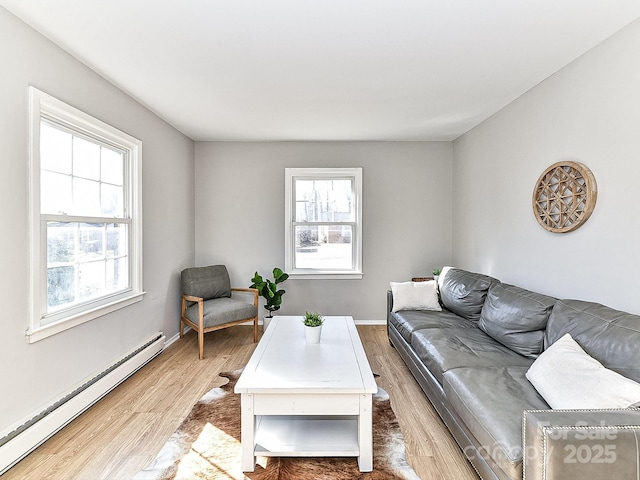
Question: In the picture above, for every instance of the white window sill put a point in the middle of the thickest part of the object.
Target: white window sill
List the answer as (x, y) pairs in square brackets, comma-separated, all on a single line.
[(45, 331), (319, 275)]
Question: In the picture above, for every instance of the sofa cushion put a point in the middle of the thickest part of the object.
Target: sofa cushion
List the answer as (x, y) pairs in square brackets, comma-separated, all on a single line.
[(610, 336), (516, 317), (442, 349), (408, 321), (415, 296), (568, 378), (490, 401), (464, 292)]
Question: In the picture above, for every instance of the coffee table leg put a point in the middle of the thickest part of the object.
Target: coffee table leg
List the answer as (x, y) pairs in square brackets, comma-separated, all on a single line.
[(247, 432), (365, 434)]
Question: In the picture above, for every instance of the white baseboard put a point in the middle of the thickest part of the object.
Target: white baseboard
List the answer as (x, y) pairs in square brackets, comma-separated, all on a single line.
[(175, 338), (61, 413), (370, 322)]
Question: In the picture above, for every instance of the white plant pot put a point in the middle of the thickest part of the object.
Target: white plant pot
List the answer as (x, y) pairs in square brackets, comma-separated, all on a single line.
[(265, 323), (313, 334)]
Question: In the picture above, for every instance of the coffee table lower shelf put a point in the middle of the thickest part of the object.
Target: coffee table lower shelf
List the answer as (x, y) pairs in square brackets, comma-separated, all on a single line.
[(306, 436)]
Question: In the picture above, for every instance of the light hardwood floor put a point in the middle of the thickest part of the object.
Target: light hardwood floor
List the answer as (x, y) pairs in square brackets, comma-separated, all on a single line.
[(123, 432)]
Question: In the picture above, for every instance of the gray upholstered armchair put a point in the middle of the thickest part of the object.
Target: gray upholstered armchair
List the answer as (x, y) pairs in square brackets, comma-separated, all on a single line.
[(208, 304)]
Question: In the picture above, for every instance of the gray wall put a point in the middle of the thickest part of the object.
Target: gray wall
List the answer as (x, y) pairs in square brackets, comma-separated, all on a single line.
[(32, 375), (406, 210), (588, 112)]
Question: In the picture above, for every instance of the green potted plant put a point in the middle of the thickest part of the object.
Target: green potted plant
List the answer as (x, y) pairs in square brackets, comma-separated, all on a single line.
[(312, 326), (269, 290), (436, 273)]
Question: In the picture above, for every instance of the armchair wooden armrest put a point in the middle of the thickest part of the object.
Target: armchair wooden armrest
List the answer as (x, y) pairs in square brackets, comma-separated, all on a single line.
[(191, 298), (254, 291), (183, 309)]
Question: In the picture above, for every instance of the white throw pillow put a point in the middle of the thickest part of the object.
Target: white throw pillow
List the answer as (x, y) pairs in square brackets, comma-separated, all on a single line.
[(568, 378), (415, 296)]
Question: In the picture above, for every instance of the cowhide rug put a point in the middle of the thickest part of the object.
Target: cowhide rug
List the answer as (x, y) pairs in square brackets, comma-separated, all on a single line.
[(207, 446)]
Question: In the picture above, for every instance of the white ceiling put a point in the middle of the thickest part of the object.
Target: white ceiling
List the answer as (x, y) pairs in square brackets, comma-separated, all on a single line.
[(326, 69)]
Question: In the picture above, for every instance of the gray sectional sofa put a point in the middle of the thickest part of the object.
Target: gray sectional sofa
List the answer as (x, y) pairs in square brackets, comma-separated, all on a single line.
[(471, 358)]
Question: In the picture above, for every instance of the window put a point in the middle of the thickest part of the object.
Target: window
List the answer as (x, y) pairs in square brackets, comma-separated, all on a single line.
[(323, 222), (86, 252)]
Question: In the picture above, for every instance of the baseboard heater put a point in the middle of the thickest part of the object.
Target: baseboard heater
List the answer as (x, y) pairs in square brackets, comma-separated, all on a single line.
[(18, 443)]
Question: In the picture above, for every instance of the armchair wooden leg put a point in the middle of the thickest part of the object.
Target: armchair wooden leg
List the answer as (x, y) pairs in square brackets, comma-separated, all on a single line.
[(183, 309), (201, 328), (201, 343), (255, 330)]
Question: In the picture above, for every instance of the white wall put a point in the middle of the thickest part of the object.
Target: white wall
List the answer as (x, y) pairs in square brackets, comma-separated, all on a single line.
[(32, 375), (406, 210), (588, 112)]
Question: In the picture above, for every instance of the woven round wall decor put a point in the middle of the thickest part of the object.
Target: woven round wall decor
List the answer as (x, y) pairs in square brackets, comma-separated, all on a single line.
[(564, 197)]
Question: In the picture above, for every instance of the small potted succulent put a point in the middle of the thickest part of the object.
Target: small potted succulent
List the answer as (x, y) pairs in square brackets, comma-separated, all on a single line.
[(312, 326), (270, 292)]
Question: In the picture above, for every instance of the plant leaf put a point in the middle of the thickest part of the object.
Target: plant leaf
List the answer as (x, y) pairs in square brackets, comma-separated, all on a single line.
[(282, 278)]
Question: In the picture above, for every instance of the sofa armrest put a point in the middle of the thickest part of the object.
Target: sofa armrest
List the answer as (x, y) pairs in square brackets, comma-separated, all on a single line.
[(579, 444), (389, 306)]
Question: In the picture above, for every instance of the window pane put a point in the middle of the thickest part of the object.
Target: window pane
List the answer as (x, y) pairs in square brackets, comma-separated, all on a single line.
[(324, 247), (112, 166), (324, 201), (61, 242), (55, 193), (61, 285), (117, 274), (86, 159), (86, 197), (55, 149), (116, 240), (91, 280), (91, 244), (111, 199)]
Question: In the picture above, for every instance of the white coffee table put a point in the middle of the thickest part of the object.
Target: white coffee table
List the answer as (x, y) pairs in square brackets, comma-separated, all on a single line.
[(307, 400)]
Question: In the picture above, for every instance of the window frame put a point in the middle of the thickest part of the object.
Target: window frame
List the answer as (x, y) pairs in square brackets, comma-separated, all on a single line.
[(323, 173), (43, 106)]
